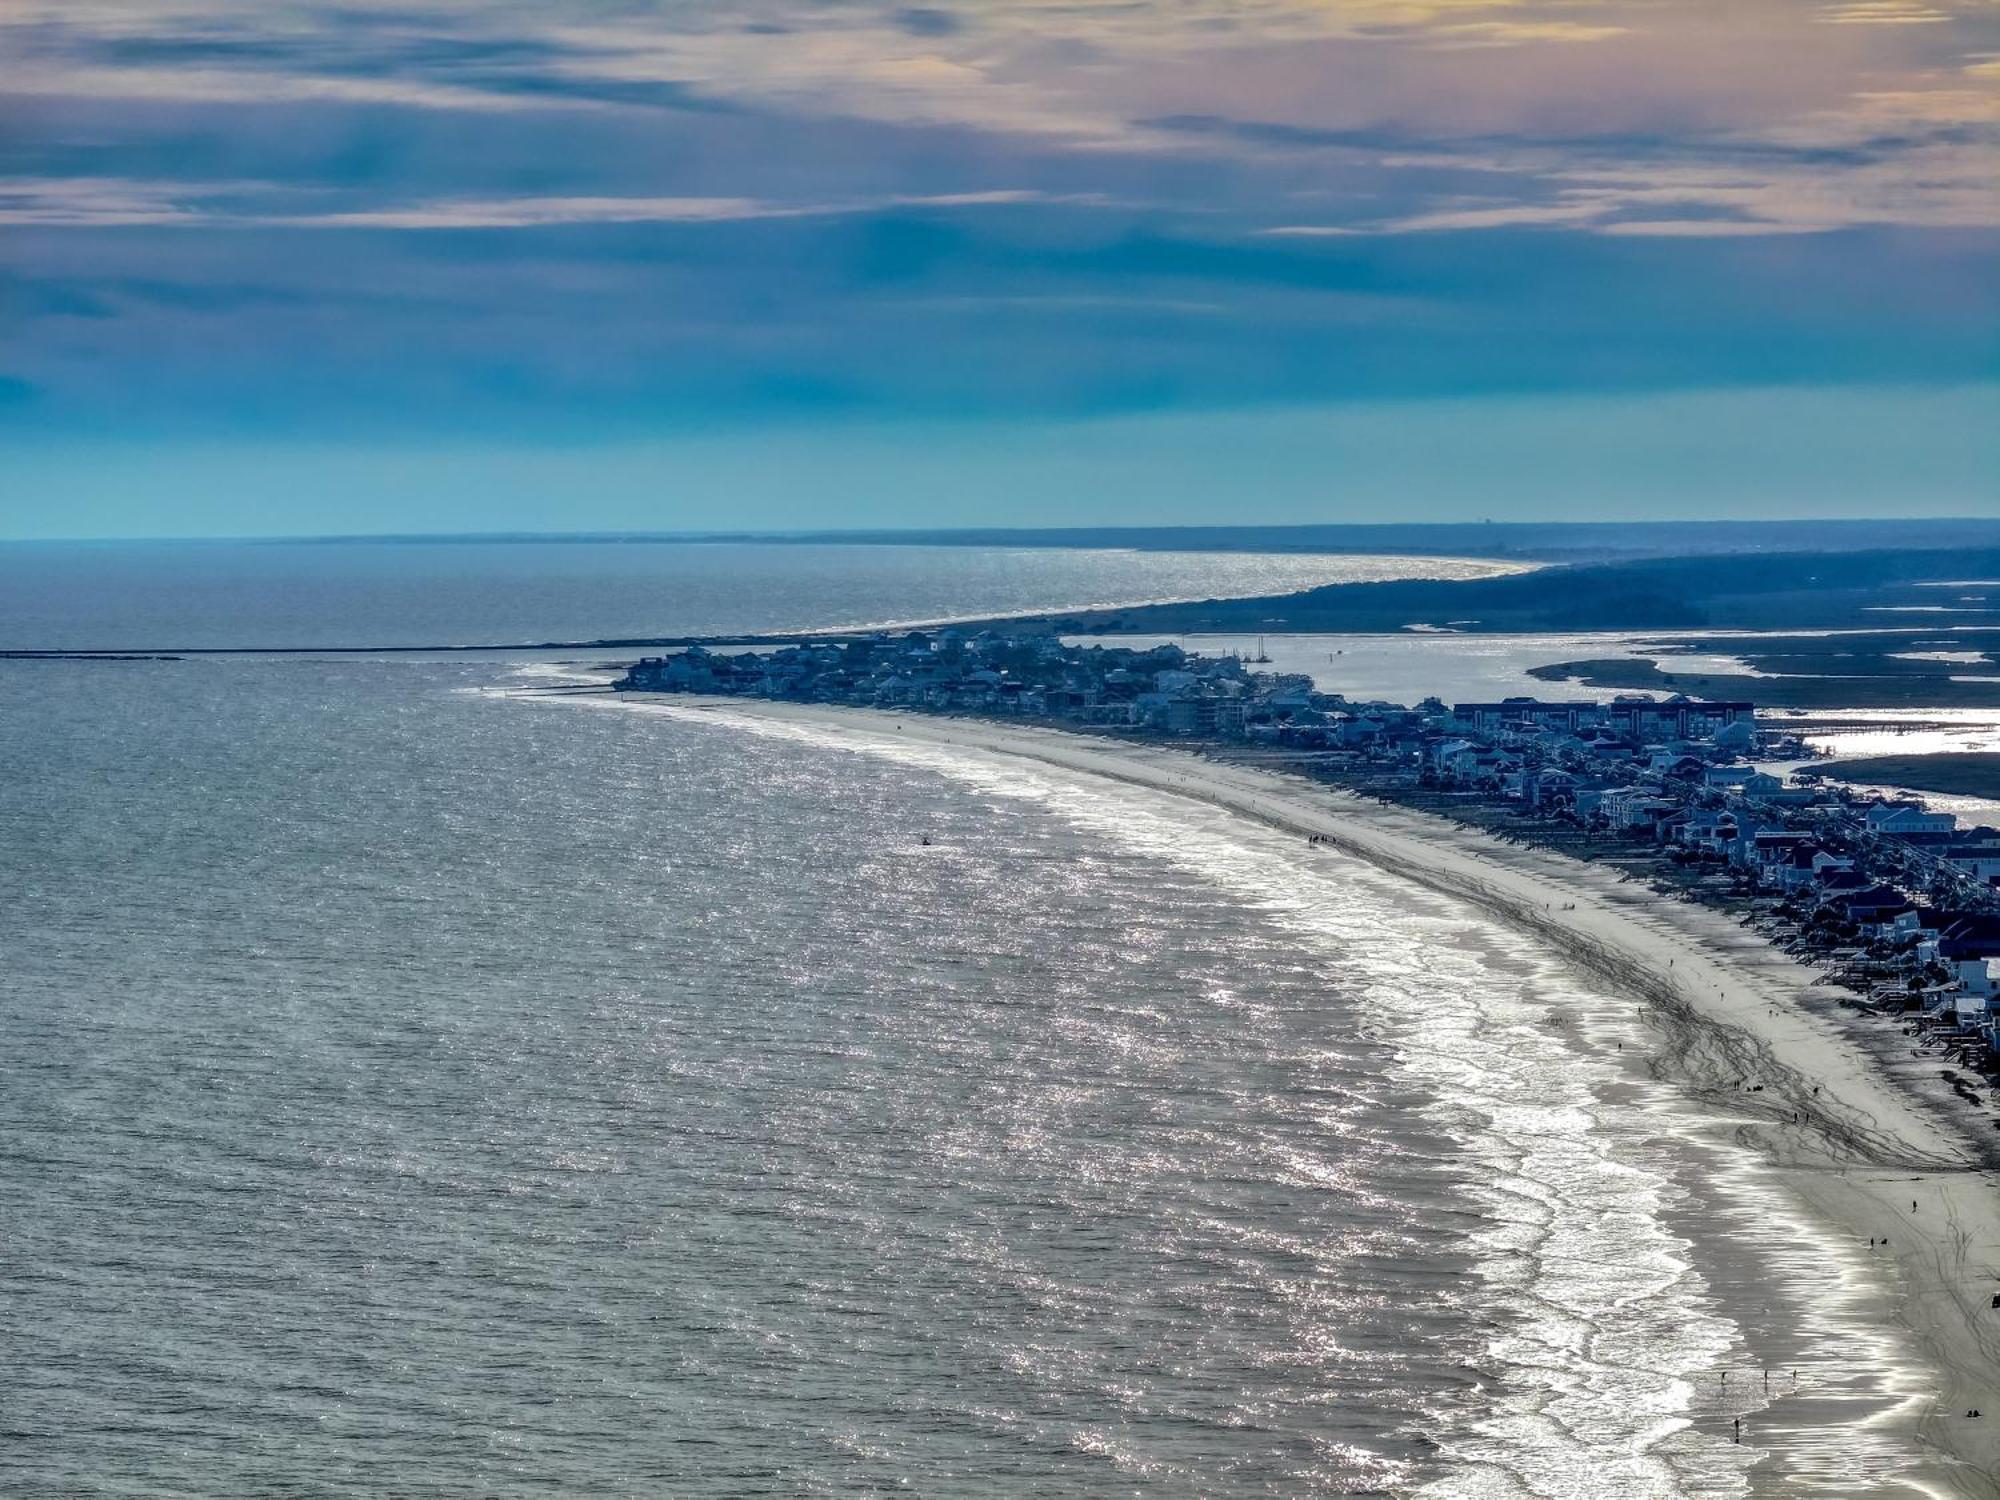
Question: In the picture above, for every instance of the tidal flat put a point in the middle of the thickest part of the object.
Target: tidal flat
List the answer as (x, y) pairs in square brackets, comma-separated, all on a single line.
[(1974, 775)]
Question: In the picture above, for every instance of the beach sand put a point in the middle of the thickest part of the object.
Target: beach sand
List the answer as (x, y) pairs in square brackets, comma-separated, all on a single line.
[(1855, 1125)]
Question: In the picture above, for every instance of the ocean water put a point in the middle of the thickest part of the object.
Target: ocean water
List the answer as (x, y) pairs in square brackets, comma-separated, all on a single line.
[(136, 595), (415, 1079)]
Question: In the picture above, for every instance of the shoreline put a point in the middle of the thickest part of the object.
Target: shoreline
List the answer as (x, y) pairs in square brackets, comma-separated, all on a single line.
[(1851, 1129)]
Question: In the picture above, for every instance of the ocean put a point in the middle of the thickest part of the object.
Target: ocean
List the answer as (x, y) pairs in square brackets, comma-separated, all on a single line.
[(420, 1080), (206, 595)]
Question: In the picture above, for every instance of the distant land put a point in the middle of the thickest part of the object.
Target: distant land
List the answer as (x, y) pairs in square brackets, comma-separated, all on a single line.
[(1914, 624), (1800, 590), (1535, 541), (1936, 687), (1841, 629), (1951, 775), (1933, 662)]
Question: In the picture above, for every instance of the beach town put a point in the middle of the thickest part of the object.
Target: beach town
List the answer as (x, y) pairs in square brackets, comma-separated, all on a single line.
[(1897, 904)]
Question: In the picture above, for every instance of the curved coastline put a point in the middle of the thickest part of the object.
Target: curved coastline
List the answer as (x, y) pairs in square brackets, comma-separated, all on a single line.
[(1854, 1131)]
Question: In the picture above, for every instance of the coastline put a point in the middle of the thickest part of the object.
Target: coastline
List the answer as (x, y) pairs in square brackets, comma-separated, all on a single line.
[(1850, 1126)]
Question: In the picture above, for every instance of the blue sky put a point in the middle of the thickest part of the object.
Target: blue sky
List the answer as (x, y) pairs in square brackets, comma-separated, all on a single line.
[(274, 267)]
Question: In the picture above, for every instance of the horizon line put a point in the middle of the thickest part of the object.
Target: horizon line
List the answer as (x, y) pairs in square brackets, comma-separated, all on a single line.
[(963, 535)]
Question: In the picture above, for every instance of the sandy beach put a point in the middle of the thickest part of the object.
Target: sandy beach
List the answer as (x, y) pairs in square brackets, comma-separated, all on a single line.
[(1866, 1135)]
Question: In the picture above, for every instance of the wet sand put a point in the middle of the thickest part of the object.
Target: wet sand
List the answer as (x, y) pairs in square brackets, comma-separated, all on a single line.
[(1854, 1125)]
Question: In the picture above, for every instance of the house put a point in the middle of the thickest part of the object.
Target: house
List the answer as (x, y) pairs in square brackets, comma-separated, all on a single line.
[(1737, 737), (1980, 861), (1708, 830), (1746, 780), (1362, 729), (1794, 871), (1771, 846), (1634, 807), (1869, 905), (1971, 1009), (1908, 817), (1456, 759), (1548, 787), (1969, 942), (1911, 933)]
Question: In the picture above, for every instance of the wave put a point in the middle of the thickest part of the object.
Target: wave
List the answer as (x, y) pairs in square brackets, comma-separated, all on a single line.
[(1643, 1279)]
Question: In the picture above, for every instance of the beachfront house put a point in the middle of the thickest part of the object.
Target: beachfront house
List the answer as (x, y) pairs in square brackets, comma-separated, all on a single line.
[(1548, 788), (1635, 807), (1971, 1011), (1707, 830), (1781, 859), (1456, 760), (1870, 905), (1969, 943), (1910, 933), (1362, 729)]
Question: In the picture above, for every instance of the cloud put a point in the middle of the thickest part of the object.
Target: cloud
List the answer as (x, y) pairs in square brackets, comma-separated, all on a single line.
[(1572, 212), (1940, 186), (632, 210), (93, 202), (1024, 308), (542, 213), (1514, 33), (536, 213), (105, 203), (1705, 229), (211, 85), (922, 21), (1884, 13)]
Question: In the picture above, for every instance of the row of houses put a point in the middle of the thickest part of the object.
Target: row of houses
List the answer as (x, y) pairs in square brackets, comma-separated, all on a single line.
[(1892, 895)]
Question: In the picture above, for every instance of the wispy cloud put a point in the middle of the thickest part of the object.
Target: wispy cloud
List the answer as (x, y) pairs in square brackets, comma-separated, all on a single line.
[(97, 202), (797, 205), (1884, 13), (1941, 184), (1514, 33), (541, 213), (103, 203)]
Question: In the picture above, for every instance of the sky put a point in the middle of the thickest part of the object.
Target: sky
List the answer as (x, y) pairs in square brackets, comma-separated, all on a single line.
[(434, 265)]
